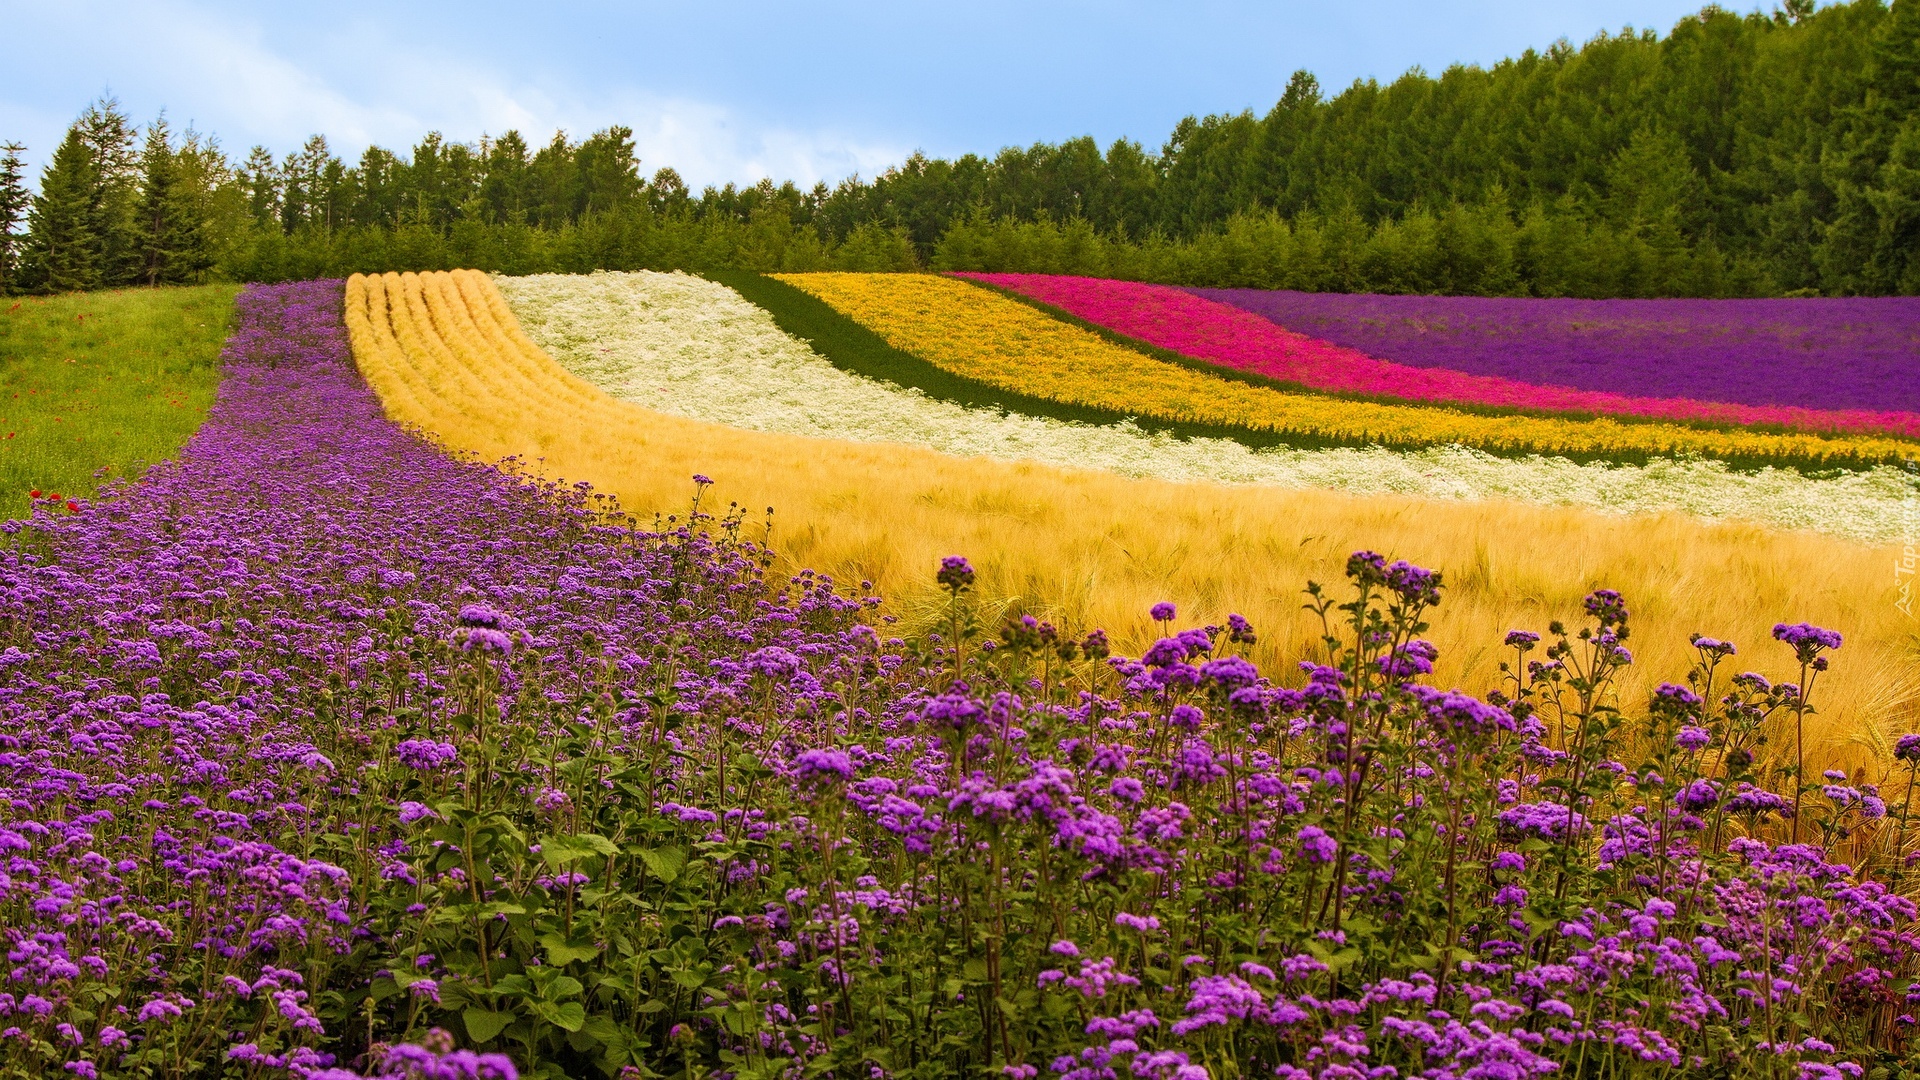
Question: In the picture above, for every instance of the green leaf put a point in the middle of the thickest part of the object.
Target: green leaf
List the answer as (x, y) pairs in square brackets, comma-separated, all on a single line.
[(570, 1015), (598, 844), (601, 1027), (692, 980), (664, 863), (483, 1025), (561, 952), (974, 970)]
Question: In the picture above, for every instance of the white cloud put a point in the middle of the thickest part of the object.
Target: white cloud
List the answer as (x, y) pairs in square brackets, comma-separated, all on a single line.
[(359, 86)]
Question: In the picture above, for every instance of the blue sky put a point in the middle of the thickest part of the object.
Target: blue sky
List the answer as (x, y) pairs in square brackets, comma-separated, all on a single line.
[(732, 91)]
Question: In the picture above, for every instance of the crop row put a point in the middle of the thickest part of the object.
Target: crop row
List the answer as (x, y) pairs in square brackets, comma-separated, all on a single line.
[(977, 334), (696, 348), (1237, 338), (1826, 353)]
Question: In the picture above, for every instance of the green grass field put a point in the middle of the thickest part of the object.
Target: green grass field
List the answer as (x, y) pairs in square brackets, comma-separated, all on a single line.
[(94, 385)]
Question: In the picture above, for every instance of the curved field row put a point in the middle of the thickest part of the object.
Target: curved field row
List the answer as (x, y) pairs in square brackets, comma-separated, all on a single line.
[(1220, 333), (699, 349), (444, 352), (1831, 353), (977, 333)]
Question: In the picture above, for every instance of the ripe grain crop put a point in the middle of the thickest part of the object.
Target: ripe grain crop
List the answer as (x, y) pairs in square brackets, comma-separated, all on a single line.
[(1091, 549), (97, 384), (976, 333)]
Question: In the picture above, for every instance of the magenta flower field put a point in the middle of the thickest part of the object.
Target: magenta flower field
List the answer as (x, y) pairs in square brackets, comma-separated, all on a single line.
[(1237, 329)]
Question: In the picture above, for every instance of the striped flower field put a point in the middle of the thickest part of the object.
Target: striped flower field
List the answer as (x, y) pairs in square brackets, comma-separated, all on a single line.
[(1227, 327), (973, 332), (697, 349), (451, 709)]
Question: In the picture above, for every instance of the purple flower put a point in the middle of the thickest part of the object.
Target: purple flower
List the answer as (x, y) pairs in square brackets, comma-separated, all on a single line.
[(1316, 845), (1522, 639), (1367, 568), (1162, 612), (481, 639), (1607, 606), (1544, 820), (1462, 714), (956, 574), (1674, 700), (823, 766), (427, 755), (1697, 796), (479, 615), (1415, 585), (1806, 639), (1096, 646), (1713, 647), (1758, 802), (1907, 748), (1230, 672), (954, 709), (1416, 657)]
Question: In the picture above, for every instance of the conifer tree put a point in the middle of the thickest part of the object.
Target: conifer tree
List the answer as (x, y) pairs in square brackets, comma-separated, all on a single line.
[(14, 201), (62, 250), (205, 195), (111, 136), (260, 176), (161, 214)]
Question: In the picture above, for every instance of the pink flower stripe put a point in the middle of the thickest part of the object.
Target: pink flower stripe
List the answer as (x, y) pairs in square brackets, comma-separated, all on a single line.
[(1218, 333)]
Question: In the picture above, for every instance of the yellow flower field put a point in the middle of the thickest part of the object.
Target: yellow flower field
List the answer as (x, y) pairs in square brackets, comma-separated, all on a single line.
[(987, 337), (1089, 548)]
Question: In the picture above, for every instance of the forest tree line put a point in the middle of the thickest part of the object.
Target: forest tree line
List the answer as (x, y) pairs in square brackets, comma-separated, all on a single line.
[(1757, 154)]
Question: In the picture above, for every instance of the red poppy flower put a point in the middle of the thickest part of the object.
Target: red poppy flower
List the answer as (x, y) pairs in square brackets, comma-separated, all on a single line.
[(72, 506), (34, 494)]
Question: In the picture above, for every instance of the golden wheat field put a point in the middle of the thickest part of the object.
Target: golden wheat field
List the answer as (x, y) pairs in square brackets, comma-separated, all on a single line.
[(445, 353)]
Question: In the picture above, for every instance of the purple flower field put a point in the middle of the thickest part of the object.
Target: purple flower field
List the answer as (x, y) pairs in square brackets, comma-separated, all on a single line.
[(1853, 353), (326, 755)]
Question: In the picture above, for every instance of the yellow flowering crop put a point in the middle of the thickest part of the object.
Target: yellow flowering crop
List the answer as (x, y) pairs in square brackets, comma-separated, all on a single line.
[(989, 338)]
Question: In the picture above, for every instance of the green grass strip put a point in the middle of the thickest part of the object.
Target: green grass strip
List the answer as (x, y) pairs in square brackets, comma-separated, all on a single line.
[(855, 348), (100, 385)]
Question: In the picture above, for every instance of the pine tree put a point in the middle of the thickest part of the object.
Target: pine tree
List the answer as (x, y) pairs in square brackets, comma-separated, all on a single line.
[(162, 228), (206, 197), (260, 176), (14, 201), (111, 136), (62, 250)]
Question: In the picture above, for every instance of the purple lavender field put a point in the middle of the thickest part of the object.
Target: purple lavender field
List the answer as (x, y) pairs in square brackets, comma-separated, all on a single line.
[(324, 755), (1849, 353)]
